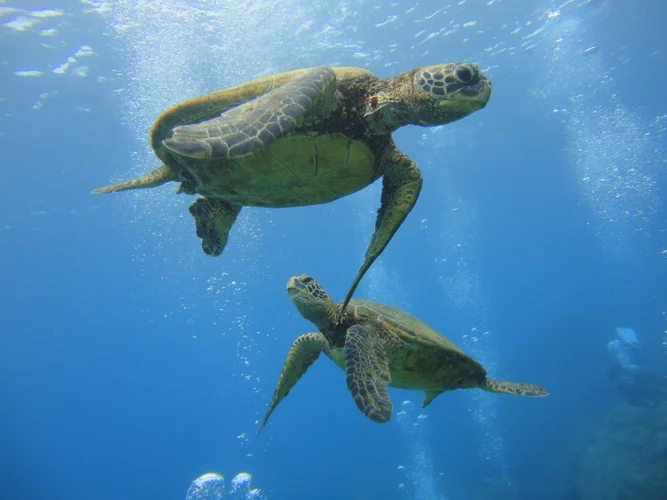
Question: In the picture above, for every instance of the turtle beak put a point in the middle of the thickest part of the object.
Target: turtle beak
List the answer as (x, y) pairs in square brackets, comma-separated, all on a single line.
[(294, 285)]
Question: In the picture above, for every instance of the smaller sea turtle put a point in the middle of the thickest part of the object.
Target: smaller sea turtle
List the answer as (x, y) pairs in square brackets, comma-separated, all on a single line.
[(379, 346)]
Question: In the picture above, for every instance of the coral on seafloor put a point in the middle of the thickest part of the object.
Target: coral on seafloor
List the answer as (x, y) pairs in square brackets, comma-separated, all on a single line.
[(627, 457)]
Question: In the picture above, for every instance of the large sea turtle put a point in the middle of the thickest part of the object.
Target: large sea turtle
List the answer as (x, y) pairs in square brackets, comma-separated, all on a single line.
[(305, 137), (379, 346)]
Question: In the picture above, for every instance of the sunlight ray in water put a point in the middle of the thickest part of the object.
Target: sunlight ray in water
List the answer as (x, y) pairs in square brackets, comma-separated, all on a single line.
[(466, 301), (174, 52), (425, 484), (417, 468), (615, 155)]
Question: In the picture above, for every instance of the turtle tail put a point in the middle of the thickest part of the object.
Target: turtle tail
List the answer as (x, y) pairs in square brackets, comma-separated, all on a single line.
[(528, 390), (155, 178)]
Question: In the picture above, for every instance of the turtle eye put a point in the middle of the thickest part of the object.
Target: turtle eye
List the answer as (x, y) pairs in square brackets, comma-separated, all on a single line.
[(306, 280), (464, 74)]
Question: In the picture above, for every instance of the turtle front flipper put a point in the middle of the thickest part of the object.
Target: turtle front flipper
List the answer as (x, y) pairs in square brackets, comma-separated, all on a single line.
[(304, 352), (528, 390), (156, 178), (259, 122), (401, 184), (213, 219), (367, 373)]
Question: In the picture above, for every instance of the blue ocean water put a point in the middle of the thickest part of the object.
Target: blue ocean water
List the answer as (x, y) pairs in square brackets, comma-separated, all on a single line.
[(132, 364)]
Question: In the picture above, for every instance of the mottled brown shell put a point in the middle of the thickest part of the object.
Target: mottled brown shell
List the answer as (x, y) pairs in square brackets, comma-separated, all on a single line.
[(303, 167), (404, 325), (214, 104)]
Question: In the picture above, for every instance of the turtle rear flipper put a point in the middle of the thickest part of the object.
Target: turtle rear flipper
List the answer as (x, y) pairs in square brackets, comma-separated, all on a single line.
[(259, 122), (304, 352), (213, 219), (430, 396), (367, 373), (156, 178), (528, 390)]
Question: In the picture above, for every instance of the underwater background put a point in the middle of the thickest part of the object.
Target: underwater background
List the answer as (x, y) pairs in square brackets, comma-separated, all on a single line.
[(132, 364)]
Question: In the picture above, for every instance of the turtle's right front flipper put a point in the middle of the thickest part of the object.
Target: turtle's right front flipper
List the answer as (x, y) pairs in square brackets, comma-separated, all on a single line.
[(304, 352), (213, 219), (401, 184)]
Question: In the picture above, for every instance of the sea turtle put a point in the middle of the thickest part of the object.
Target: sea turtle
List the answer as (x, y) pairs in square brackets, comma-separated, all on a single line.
[(379, 346), (305, 137)]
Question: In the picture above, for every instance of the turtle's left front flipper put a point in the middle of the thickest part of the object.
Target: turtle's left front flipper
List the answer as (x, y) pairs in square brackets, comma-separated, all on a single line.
[(401, 184), (304, 352), (500, 386), (259, 122)]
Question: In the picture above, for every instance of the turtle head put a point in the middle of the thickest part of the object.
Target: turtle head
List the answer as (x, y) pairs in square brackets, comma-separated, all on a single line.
[(312, 301), (433, 95), (448, 92)]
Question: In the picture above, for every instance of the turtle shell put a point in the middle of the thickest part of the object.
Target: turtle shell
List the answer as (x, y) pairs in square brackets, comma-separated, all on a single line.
[(406, 326), (420, 358), (302, 168)]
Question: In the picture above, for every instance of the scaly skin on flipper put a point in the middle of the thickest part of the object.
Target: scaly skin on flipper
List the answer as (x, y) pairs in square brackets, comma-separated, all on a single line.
[(256, 124), (216, 103), (213, 219), (212, 105), (367, 373), (304, 352), (527, 390), (401, 185), (155, 178)]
